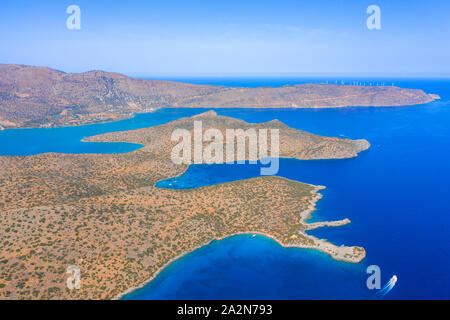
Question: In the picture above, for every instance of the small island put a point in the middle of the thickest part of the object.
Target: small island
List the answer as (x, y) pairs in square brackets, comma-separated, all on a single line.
[(104, 213)]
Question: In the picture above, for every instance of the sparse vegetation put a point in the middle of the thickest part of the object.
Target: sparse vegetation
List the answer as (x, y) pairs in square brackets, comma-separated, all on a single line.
[(103, 213)]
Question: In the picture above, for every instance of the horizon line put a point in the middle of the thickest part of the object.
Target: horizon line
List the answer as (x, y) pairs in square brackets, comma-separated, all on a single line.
[(321, 75), (262, 74)]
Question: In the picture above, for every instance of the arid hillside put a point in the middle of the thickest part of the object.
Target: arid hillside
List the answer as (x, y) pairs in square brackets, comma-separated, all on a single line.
[(103, 213), (42, 97)]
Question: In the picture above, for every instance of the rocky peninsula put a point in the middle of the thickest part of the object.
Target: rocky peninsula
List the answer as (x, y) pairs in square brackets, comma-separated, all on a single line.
[(104, 214)]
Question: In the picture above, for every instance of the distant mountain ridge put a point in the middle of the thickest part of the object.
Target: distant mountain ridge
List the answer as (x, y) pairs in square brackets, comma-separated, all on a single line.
[(41, 97)]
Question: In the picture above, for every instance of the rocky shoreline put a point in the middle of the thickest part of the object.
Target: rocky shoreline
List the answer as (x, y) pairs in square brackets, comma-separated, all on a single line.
[(341, 253)]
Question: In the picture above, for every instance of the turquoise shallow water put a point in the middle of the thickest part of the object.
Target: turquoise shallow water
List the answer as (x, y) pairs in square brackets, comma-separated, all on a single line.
[(395, 194), (24, 142)]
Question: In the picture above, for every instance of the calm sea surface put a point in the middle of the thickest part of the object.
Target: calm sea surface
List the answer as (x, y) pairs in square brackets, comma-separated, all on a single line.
[(395, 194)]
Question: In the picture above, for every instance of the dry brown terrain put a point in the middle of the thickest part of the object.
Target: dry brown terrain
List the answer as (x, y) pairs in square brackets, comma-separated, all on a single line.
[(103, 213), (42, 97)]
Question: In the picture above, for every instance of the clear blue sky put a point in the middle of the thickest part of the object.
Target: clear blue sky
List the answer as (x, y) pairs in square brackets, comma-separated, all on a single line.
[(215, 36)]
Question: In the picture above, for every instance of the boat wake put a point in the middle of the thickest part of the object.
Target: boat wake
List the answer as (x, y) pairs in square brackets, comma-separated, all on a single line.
[(387, 288)]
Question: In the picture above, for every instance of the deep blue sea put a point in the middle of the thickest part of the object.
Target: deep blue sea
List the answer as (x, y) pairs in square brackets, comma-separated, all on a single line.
[(395, 194)]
